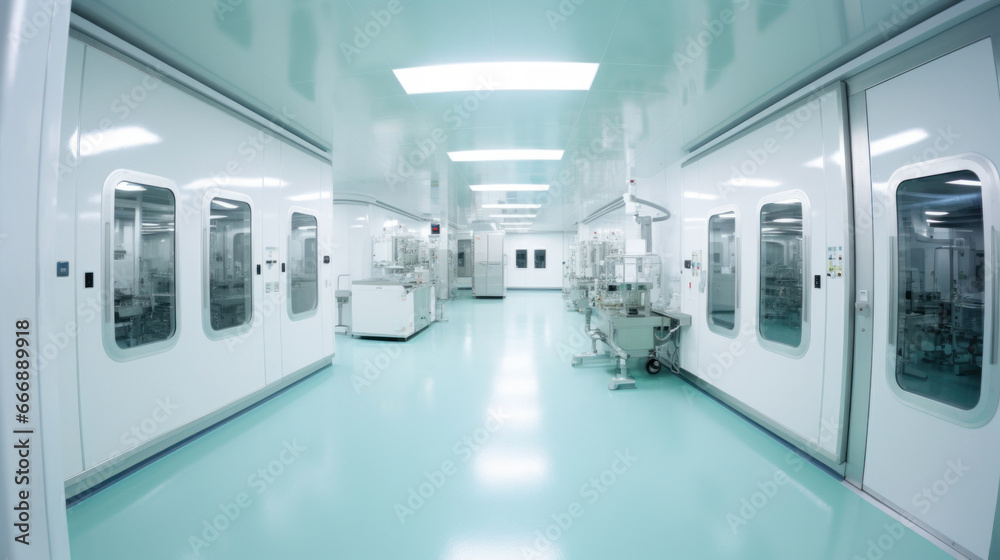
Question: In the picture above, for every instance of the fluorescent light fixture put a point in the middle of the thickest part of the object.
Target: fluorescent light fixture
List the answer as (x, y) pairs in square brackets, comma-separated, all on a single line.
[(936, 214), (217, 217), (748, 182), (223, 204), (512, 206), (700, 196), (93, 143), (935, 222), (788, 221), (514, 216), (516, 224), (510, 188), (130, 187), (307, 227), (496, 76), (309, 197), (225, 181), (897, 141), (506, 155), (966, 183)]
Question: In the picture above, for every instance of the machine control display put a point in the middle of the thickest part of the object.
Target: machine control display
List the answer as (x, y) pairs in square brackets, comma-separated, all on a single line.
[(435, 229), (62, 269)]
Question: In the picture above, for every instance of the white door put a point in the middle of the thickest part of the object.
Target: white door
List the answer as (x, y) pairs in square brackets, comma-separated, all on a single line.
[(481, 257), (496, 266), (934, 439), (301, 322)]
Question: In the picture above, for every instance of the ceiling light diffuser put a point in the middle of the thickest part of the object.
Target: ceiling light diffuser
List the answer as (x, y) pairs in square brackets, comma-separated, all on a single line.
[(514, 216), (506, 155), (748, 182), (496, 76), (496, 188), (512, 206)]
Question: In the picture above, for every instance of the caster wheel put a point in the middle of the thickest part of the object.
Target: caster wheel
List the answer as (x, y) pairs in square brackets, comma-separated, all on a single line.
[(653, 366)]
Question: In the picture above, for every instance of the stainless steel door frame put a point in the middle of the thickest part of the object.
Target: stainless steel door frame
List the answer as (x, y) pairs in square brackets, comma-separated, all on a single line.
[(864, 286)]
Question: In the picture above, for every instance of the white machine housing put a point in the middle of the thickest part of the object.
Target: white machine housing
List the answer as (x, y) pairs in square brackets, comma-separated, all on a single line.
[(392, 309)]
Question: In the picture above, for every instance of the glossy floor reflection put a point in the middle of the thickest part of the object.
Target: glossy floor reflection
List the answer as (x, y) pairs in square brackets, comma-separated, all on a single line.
[(477, 440)]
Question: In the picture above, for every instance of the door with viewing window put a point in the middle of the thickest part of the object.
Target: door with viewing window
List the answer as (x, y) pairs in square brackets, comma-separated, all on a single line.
[(933, 448)]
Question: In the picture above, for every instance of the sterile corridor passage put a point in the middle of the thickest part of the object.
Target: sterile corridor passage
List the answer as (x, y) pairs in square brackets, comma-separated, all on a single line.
[(477, 439)]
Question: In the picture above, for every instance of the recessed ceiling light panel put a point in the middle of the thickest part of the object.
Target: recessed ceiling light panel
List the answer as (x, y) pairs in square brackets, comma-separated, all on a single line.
[(512, 206), (496, 76), (505, 188), (506, 155)]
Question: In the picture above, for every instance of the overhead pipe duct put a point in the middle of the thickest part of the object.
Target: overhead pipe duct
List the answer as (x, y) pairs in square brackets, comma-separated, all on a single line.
[(355, 198)]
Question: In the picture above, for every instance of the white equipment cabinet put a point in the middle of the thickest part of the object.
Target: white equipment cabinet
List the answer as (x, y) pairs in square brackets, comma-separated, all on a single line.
[(392, 309), (489, 278)]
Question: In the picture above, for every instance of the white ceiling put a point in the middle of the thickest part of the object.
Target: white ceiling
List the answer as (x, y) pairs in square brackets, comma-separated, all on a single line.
[(304, 61)]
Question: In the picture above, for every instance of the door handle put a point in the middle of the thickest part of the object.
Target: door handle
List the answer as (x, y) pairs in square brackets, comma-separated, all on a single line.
[(739, 270), (892, 306)]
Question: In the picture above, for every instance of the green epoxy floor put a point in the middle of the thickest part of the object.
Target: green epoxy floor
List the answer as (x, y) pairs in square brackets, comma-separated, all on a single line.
[(573, 472)]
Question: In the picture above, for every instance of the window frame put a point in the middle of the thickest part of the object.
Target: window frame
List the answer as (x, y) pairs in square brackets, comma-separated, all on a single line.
[(544, 259), (206, 307), (807, 286), (517, 255), (989, 399), (737, 320), (287, 260), (111, 347)]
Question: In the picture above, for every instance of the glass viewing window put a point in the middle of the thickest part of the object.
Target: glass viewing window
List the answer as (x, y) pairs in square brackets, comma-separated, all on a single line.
[(143, 265), (782, 273), (940, 288), (230, 264), (722, 271), (540, 258), (303, 264)]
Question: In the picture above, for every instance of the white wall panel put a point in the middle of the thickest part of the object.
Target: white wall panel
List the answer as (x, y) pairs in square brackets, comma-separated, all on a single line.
[(797, 152), (551, 277), (129, 120)]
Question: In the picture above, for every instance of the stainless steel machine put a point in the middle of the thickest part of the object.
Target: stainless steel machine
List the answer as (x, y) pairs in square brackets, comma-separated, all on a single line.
[(583, 267), (626, 311), (490, 278)]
